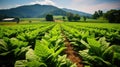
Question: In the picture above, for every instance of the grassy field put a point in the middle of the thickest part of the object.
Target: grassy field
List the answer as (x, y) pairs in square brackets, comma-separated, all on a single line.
[(89, 22), (98, 25)]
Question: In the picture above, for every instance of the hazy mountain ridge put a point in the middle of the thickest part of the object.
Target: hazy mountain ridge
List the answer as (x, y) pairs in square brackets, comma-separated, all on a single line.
[(37, 11), (77, 12)]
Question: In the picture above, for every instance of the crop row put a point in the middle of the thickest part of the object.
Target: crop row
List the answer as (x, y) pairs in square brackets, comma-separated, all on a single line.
[(33, 46), (96, 51), (112, 35)]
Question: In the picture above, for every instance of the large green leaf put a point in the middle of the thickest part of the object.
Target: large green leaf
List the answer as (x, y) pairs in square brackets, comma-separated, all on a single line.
[(93, 43), (42, 50), (25, 63), (30, 56), (20, 53), (108, 54), (3, 46), (20, 63), (62, 61), (104, 44), (84, 43), (58, 44), (94, 60), (36, 64), (58, 52), (20, 44), (116, 48), (86, 56), (94, 46)]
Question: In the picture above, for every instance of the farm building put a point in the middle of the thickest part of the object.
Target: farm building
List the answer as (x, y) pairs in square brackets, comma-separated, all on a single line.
[(10, 19)]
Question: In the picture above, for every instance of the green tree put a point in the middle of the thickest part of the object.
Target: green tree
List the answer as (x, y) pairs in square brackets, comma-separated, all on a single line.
[(84, 18), (73, 17), (17, 20), (113, 16), (30, 21), (95, 15), (76, 17), (100, 12), (49, 17), (63, 18), (70, 16)]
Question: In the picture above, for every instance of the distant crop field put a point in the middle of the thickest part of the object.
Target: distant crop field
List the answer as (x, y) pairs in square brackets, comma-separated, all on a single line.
[(32, 19)]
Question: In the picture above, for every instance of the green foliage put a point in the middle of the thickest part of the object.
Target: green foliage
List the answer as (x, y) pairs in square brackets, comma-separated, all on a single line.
[(63, 18), (20, 63), (97, 14), (25, 63), (63, 62), (30, 61), (12, 50), (30, 55), (42, 50), (49, 17), (49, 47), (76, 17), (94, 46), (17, 42), (99, 53), (113, 16), (17, 20), (84, 17), (72, 17)]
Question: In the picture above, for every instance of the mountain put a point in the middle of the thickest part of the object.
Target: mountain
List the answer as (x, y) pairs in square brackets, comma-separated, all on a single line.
[(38, 11), (32, 11), (77, 12)]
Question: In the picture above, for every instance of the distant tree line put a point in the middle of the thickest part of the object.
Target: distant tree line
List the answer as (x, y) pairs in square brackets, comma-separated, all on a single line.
[(73, 17), (113, 16), (97, 14), (70, 17)]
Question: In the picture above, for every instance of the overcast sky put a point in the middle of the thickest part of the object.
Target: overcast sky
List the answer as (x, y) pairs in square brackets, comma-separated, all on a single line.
[(88, 6)]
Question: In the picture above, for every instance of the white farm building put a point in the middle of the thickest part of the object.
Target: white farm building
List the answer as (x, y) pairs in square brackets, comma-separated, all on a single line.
[(9, 20)]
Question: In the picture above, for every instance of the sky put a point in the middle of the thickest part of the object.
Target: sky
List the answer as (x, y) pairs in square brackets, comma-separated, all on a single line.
[(88, 6)]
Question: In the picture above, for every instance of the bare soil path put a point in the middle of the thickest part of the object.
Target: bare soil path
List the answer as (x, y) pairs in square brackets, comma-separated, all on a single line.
[(71, 54)]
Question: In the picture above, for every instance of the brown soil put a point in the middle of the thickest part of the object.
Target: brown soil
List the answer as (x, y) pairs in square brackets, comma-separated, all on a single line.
[(58, 21), (71, 54)]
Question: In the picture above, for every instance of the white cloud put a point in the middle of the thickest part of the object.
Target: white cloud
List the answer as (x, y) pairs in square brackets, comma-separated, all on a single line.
[(43, 2)]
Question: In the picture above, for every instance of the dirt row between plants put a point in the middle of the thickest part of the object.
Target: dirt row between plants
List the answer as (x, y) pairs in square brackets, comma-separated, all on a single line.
[(71, 54)]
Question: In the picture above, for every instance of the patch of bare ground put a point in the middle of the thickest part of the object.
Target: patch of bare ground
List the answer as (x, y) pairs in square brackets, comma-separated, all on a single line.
[(71, 54)]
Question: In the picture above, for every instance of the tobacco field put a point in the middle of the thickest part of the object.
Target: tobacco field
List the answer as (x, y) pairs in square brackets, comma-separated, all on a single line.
[(60, 45)]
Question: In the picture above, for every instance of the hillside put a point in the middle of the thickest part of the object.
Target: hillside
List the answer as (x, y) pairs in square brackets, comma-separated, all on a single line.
[(32, 11), (38, 11), (77, 12)]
